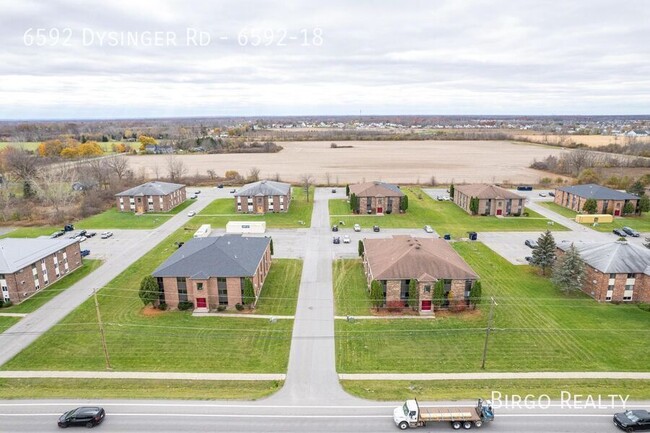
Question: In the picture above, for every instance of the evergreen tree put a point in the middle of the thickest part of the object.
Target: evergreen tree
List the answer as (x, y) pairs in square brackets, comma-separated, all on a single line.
[(544, 253), (473, 205), (637, 188), (148, 290), (347, 190), (644, 203), (628, 208), (360, 248), (404, 203), (28, 191), (475, 293), (438, 293), (353, 202), (451, 191), (414, 295), (569, 271), (376, 294), (590, 206), (271, 246), (248, 294)]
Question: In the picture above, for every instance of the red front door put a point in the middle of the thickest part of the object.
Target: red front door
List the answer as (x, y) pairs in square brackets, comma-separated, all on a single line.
[(201, 303), (380, 210), (499, 211), (426, 305), (617, 212)]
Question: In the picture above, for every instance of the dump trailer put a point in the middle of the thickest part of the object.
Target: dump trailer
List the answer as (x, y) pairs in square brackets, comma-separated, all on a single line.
[(411, 415)]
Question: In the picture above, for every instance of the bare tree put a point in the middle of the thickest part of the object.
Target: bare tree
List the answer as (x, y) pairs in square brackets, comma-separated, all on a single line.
[(54, 189), (119, 165), (99, 171), (156, 171), (20, 163), (254, 174), (212, 174), (579, 159), (176, 168), (328, 178), (306, 180)]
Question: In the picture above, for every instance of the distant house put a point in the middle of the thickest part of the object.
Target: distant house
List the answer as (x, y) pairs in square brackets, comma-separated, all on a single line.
[(29, 265), (377, 197), (262, 197), (209, 272), (492, 199), (395, 261), (153, 196), (608, 200), (617, 271), (158, 149)]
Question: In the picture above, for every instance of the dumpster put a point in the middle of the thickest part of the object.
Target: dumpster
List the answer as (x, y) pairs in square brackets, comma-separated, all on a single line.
[(473, 236)]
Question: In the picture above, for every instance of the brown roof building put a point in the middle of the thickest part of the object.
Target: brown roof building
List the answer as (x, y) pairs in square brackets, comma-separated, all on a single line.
[(377, 197), (492, 199), (395, 261)]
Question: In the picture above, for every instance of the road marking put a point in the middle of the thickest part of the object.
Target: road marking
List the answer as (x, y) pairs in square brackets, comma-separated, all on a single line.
[(229, 415)]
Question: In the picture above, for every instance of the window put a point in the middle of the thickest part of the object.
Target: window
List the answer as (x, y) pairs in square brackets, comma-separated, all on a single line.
[(612, 275), (161, 289), (181, 284), (404, 290), (199, 286), (631, 275), (610, 287), (629, 287), (389, 204), (427, 288), (222, 288), (383, 288), (241, 285)]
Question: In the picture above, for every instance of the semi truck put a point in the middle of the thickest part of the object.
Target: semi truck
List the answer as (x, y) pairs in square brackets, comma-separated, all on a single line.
[(411, 415)]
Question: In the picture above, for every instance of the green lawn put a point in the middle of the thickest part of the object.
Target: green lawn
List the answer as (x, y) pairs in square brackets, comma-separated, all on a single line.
[(443, 216), (280, 293), (397, 390), (639, 223), (350, 289), (31, 232), (7, 322), (113, 219), (561, 210), (222, 210), (51, 291), (536, 329), (169, 341), (136, 389)]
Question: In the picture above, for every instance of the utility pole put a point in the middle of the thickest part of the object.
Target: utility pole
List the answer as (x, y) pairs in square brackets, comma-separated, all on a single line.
[(101, 332), (487, 331)]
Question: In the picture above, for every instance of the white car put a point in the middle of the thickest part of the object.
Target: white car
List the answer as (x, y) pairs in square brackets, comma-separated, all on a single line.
[(428, 229), (542, 194), (191, 213), (357, 228), (106, 235), (346, 239)]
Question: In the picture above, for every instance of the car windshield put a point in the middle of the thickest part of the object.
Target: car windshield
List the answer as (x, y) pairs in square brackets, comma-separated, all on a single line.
[(405, 409), (630, 415)]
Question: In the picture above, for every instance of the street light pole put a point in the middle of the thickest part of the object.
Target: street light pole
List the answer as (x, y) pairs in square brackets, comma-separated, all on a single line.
[(487, 332), (101, 332)]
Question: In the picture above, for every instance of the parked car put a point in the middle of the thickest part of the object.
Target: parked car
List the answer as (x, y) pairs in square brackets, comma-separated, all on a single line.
[(333, 190), (82, 233), (232, 191), (346, 239), (632, 420), (82, 416), (335, 228), (630, 231), (193, 196), (81, 238), (198, 191), (528, 258), (531, 243), (439, 198), (106, 235), (552, 194), (542, 194), (191, 213), (428, 229), (68, 228), (619, 232), (85, 253), (90, 234), (336, 240), (446, 198), (220, 185), (57, 234), (375, 228), (357, 228)]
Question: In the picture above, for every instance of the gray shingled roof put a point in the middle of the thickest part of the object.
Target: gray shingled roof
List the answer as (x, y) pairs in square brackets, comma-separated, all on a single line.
[(264, 187), (618, 257), (374, 189), (151, 188), (222, 256), (16, 253), (591, 190)]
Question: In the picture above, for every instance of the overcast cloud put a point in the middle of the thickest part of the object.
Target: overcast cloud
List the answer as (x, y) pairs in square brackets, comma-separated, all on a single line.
[(376, 57)]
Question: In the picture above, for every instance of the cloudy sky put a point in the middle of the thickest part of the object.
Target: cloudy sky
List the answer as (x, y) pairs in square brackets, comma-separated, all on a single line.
[(133, 58)]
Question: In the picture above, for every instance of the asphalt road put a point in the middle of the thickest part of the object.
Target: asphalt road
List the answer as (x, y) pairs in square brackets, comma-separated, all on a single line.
[(184, 416)]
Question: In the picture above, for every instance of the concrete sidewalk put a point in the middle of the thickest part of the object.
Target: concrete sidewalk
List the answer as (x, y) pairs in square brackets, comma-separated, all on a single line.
[(136, 375), (496, 376), (246, 316)]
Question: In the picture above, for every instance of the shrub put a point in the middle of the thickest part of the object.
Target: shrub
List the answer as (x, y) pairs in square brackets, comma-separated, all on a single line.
[(185, 305), (525, 214), (162, 306), (221, 308), (239, 307)]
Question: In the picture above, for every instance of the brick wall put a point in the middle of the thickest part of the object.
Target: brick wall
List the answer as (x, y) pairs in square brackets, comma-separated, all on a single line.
[(265, 200)]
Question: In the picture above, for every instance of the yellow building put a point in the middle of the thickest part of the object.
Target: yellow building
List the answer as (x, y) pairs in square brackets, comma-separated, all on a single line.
[(594, 218)]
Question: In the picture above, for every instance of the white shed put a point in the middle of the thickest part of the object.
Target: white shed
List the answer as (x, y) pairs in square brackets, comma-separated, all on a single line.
[(203, 231), (246, 227)]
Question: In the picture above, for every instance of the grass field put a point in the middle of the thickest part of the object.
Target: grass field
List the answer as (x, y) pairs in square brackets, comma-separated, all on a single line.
[(136, 389), (280, 292), (113, 219), (51, 291), (469, 389), (33, 145), (639, 223), (443, 216), (222, 210), (170, 341), (7, 322), (31, 232), (536, 328), (350, 292)]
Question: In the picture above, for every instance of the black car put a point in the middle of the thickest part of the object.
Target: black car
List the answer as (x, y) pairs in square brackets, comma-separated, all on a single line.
[(220, 185), (552, 194), (632, 420), (531, 243), (335, 228), (336, 240), (619, 232), (630, 231), (82, 416), (85, 253), (57, 234), (375, 228), (68, 228)]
